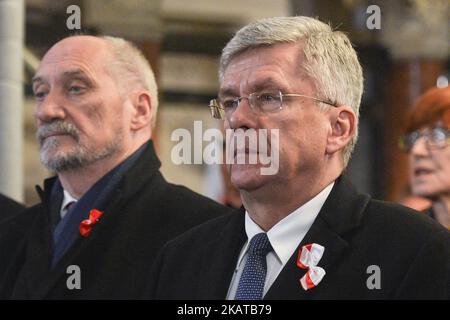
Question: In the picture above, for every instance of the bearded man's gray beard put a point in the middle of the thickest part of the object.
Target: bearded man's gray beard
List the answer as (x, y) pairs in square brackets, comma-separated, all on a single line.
[(79, 156)]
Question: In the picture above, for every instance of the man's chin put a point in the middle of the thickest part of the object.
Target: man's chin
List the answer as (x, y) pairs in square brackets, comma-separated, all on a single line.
[(57, 151), (60, 160), (246, 177)]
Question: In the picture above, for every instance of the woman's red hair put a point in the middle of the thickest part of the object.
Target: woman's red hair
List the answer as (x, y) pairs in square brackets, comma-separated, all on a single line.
[(432, 106)]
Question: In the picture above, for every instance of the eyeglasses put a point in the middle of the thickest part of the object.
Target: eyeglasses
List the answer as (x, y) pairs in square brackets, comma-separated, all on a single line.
[(435, 138), (260, 102)]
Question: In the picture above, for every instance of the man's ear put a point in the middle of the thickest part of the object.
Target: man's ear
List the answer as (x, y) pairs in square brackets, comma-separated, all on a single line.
[(343, 128), (142, 110)]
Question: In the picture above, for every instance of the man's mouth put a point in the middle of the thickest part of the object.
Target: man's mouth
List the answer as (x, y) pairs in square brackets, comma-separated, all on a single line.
[(245, 151), (55, 134)]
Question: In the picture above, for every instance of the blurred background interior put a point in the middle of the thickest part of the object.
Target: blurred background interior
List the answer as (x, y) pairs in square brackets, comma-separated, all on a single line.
[(183, 40)]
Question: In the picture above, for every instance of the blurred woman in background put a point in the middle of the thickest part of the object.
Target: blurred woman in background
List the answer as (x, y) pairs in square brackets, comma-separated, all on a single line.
[(427, 141)]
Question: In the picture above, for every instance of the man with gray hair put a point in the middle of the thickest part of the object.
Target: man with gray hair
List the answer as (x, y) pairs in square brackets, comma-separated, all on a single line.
[(304, 232), (108, 211)]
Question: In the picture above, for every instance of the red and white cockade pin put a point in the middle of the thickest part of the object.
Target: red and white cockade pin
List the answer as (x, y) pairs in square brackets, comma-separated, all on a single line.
[(86, 225), (308, 258)]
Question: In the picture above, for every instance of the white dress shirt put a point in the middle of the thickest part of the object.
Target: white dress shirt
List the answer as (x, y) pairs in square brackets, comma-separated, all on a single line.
[(284, 237), (66, 200)]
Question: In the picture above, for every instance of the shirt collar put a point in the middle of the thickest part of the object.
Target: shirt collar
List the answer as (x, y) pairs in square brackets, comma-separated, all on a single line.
[(287, 234), (68, 198)]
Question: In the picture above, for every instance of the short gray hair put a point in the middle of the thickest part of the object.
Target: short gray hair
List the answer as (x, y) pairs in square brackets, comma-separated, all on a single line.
[(129, 63), (330, 60)]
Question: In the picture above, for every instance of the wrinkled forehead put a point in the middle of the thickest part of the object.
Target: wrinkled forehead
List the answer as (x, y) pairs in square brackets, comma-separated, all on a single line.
[(88, 54), (277, 66)]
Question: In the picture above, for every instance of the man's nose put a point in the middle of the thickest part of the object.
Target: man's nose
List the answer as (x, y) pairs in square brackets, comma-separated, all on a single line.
[(49, 109), (243, 116)]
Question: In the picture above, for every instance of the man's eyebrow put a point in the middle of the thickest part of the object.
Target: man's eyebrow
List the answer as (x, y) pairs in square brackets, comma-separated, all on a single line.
[(265, 84), (227, 92), (258, 86), (77, 74)]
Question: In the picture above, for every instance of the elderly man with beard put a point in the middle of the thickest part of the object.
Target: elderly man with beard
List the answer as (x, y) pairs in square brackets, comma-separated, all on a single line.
[(108, 211)]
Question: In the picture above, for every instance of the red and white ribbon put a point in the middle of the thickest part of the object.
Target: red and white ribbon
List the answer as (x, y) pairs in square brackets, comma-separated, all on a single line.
[(308, 258)]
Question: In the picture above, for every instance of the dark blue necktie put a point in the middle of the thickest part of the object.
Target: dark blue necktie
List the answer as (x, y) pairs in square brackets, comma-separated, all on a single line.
[(251, 284), (59, 245)]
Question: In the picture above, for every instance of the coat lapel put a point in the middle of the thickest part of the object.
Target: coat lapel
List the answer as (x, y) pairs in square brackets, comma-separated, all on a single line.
[(39, 244), (287, 285), (52, 276), (40, 248), (218, 268), (341, 213)]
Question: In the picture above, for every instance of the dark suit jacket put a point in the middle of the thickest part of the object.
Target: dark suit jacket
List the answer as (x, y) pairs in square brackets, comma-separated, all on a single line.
[(144, 213), (411, 250), (9, 207)]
